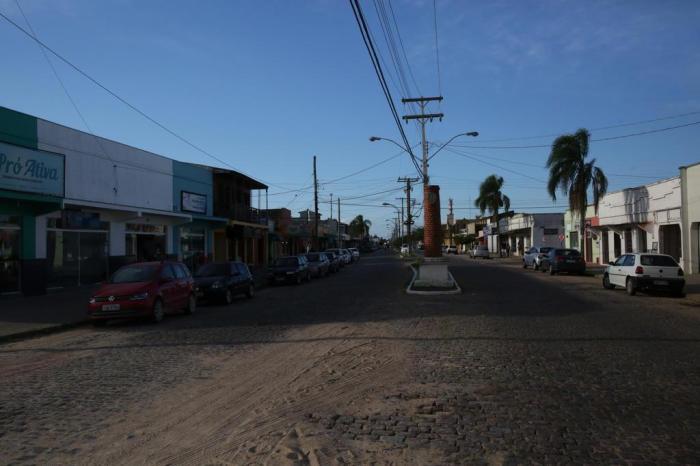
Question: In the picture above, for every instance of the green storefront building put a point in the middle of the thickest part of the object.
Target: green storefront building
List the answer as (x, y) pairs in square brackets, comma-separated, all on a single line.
[(31, 184)]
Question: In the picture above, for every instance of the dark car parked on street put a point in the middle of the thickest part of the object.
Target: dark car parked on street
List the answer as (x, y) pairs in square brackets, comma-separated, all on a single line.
[(563, 260), (319, 265), (289, 269), (221, 281), (145, 289)]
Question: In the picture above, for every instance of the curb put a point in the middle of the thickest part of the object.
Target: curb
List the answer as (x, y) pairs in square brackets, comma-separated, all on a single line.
[(457, 290), (27, 334)]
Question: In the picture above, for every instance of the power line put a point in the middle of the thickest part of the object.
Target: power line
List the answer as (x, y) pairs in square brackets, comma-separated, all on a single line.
[(622, 136), (123, 100), (494, 165), (403, 49), (600, 128), (437, 47), (364, 30)]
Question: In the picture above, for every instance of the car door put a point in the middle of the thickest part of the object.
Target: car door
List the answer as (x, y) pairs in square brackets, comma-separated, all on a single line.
[(616, 271), (183, 288), (168, 287)]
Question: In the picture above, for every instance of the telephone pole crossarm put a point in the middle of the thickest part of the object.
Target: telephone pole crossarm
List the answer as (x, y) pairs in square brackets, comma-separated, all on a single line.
[(424, 116)]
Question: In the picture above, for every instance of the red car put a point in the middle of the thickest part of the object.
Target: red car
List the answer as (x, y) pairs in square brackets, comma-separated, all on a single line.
[(146, 289)]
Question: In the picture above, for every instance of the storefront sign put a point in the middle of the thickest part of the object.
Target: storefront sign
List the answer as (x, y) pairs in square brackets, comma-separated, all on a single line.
[(29, 170), (192, 202)]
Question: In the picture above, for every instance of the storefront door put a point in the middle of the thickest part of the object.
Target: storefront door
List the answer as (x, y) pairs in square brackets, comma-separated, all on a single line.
[(9, 256), (76, 257)]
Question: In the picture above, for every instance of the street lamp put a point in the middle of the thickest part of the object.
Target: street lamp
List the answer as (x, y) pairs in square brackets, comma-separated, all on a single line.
[(470, 133)]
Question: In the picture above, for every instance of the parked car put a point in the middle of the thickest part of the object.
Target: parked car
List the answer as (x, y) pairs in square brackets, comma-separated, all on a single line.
[(289, 269), (221, 281), (334, 261), (346, 255), (480, 250), (342, 260), (355, 254), (645, 271), (533, 257), (404, 249), (563, 260), (145, 289), (319, 265), (451, 249)]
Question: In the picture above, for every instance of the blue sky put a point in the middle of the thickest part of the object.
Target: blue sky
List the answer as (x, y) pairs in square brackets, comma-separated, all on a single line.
[(266, 85)]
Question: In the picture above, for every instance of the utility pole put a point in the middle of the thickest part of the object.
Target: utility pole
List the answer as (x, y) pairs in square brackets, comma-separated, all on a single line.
[(423, 118), (409, 207), (451, 222), (431, 204), (401, 225), (339, 241), (315, 237)]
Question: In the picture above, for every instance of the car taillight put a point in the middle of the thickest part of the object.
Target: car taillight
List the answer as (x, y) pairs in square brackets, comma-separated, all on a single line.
[(680, 272), (639, 270)]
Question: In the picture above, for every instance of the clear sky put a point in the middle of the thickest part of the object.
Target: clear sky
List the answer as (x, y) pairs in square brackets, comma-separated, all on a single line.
[(266, 85)]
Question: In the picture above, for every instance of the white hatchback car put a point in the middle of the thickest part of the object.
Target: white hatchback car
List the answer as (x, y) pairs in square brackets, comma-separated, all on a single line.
[(404, 249), (645, 271)]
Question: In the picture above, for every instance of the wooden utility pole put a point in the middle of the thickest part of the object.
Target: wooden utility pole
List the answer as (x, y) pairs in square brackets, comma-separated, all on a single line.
[(340, 245), (315, 238), (409, 207)]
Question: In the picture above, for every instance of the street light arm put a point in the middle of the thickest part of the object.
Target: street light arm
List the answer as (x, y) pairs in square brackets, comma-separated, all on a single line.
[(471, 133), (408, 150)]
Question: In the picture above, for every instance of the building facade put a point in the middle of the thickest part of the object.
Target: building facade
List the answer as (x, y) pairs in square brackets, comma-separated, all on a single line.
[(640, 219), (690, 217), (74, 206), (521, 232)]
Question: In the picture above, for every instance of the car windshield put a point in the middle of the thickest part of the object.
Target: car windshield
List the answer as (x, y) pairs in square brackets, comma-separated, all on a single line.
[(213, 270), (286, 262), (659, 261), (313, 257), (135, 273)]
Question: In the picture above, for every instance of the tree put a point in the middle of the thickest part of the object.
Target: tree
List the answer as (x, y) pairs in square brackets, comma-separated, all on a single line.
[(572, 175), (491, 198), (360, 227)]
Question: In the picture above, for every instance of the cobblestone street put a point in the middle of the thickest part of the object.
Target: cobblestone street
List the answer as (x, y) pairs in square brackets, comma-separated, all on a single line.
[(521, 368)]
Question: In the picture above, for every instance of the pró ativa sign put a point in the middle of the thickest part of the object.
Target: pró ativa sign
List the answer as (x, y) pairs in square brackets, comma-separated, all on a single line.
[(29, 170)]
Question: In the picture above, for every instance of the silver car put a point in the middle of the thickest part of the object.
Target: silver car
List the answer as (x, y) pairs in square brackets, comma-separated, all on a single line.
[(480, 251), (533, 257)]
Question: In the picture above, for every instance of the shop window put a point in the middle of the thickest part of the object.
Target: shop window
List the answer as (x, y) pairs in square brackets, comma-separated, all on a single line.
[(76, 257), (9, 256)]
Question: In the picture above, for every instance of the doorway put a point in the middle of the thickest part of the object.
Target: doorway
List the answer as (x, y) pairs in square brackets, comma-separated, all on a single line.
[(9, 258), (617, 245), (670, 240)]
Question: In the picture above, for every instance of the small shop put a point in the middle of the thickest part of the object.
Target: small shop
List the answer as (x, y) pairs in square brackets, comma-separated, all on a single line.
[(146, 242)]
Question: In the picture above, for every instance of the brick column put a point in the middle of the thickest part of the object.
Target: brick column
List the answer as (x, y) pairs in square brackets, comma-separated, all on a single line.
[(432, 231)]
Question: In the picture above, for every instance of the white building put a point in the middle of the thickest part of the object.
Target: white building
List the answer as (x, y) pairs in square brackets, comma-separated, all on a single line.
[(690, 214), (640, 219), (523, 231)]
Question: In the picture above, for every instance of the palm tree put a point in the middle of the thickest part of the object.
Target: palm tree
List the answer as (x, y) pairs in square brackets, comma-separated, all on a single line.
[(491, 198), (360, 226), (572, 175)]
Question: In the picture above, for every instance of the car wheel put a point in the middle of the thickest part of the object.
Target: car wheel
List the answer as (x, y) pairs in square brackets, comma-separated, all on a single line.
[(228, 297), (606, 283), (250, 292), (524, 264), (535, 266), (191, 304), (158, 311), (631, 289)]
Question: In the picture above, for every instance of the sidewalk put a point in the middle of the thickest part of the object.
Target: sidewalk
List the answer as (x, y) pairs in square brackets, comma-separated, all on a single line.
[(23, 316)]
